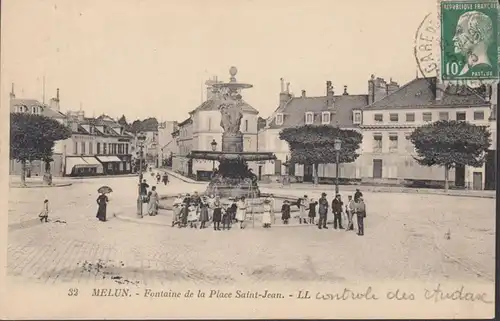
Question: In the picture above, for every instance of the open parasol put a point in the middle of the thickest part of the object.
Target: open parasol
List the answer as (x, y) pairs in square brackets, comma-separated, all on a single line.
[(104, 189)]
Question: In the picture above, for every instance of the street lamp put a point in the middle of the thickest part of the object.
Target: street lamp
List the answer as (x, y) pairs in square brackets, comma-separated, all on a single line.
[(141, 137), (214, 148), (337, 146)]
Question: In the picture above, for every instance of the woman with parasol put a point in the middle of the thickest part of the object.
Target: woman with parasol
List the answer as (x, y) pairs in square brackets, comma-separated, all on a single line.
[(102, 202)]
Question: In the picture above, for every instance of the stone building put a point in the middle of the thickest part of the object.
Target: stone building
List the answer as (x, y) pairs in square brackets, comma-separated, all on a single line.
[(166, 142)]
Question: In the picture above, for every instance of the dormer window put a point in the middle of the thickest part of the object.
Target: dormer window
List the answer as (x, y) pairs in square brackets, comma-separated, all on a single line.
[(325, 117), (309, 118), (356, 117), (279, 119), (33, 110)]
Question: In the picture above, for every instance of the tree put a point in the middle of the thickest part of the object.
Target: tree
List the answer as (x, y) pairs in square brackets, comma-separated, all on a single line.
[(32, 137), (123, 122), (449, 143), (315, 144)]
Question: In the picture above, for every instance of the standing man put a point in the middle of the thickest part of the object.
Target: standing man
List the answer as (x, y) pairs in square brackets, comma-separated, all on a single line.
[(349, 209), (360, 209), (337, 212), (323, 211)]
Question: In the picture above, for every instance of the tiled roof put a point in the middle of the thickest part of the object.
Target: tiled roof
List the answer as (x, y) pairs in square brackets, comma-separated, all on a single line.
[(213, 104), (46, 110), (294, 111), (421, 92)]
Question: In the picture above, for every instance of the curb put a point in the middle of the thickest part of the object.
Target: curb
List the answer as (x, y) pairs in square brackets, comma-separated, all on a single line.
[(181, 177), (43, 186)]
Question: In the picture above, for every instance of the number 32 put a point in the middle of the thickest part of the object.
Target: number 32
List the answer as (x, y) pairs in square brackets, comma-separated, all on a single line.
[(73, 292)]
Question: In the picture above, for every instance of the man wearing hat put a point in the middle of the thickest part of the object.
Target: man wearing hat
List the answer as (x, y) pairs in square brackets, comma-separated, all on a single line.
[(323, 211), (337, 211)]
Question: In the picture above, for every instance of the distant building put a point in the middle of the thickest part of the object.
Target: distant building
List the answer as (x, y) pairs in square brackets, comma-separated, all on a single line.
[(202, 127), (166, 142)]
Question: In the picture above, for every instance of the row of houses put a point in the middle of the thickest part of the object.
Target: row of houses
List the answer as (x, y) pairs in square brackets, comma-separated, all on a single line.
[(385, 116)]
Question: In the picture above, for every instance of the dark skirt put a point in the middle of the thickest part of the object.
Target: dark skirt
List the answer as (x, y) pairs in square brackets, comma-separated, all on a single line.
[(312, 213), (101, 212), (217, 215), (203, 214), (285, 215)]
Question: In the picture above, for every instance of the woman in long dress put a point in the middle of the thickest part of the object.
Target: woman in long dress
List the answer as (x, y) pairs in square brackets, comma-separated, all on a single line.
[(241, 212), (153, 202), (217, 215), (102, 201), (266, 216), (203, 214)]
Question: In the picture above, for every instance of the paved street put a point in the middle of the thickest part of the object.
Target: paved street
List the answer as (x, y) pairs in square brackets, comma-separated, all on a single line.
[(404, 239)]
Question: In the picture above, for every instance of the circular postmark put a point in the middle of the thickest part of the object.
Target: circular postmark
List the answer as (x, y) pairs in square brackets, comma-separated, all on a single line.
[(427, 51)]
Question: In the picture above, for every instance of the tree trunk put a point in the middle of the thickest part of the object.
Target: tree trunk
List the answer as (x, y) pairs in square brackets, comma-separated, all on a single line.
[(446, 177), (315, 173), (23, 173), (47, 176)]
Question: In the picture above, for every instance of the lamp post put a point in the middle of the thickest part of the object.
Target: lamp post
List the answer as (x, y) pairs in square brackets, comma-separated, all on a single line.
[(214, 148), (338, 146), (140, 144)]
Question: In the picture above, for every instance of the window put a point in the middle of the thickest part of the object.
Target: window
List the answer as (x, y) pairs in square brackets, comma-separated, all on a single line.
[(427, 116), (325, 117), (119, 148), (309, 118), (378, 117), (91, 148), (357, 117), (104, 148), (410, 117), (246, 125), (279, 119), (98, 151), (461, 115), (479, 115), (377, 143), (75, 148), (126, 149), (443, 115), (393, 142), (393, 117), (83, 148), (33, 110)]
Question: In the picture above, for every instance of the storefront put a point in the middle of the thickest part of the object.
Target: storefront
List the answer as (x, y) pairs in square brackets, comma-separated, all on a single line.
[(125, 165), (82, 166), (111, 164)]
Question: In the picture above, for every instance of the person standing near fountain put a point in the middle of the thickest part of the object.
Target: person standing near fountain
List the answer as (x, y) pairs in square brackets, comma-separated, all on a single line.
[(217, 214), (241, 212), (203, 213)]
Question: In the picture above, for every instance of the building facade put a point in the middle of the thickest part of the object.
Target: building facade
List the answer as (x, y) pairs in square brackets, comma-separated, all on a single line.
[(166, 142)]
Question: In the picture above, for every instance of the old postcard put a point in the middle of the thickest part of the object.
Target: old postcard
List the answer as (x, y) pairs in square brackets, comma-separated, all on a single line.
[(249, 159)]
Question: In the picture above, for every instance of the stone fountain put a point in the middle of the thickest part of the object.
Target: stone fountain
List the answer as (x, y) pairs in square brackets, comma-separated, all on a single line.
[(233, 178)]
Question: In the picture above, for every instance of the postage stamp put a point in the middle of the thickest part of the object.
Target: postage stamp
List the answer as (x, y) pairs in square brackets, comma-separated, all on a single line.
[(469, 40)]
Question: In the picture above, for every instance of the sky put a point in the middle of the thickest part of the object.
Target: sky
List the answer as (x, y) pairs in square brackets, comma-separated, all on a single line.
[(149, 58)]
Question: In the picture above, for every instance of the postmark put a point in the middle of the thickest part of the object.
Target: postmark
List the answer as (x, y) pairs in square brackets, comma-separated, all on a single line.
[(469, 40), (426, 42)]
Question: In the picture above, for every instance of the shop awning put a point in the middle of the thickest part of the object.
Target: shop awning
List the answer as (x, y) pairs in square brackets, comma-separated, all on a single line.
[(77, 162), (92, 161), (108, 159)]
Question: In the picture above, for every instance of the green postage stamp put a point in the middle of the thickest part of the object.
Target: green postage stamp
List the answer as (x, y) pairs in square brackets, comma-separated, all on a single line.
[(469, 40)]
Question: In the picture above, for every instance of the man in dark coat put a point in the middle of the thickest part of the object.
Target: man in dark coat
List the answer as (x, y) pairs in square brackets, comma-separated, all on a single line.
[(323, 211), (357, 195), (337, 211)]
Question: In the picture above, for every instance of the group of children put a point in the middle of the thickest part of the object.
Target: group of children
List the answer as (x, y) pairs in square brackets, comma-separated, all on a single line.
[(188, 210)]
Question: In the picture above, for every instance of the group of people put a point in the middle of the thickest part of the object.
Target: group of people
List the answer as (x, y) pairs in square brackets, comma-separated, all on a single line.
[(188, 210), (163, 178), (355, 207)]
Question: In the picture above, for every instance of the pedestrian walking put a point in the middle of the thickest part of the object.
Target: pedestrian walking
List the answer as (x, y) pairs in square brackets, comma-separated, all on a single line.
[(323, 211), (241, 212), (312, 210), (203, 213), (349, 209), (44, 214), (158, 178), (266, 215), (102, 202), (144, 191), (337, 212), (153, 202), (285, 212), (165, 178), (360, 209), (217, 214), (357, 195), (303, 204)]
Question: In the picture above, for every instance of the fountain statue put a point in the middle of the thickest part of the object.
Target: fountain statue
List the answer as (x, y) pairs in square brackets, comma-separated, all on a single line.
[(233, 177)]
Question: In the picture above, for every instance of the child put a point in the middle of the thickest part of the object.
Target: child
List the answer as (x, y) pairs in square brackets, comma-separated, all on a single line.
[(285, 212), (227, 215), (217, 214), (193, 215), (312, 211), (44, 214), (203, 213), (176, 217), (266, 216)]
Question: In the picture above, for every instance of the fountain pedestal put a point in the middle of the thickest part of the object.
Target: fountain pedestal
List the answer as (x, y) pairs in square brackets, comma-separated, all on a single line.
[(232, 142)]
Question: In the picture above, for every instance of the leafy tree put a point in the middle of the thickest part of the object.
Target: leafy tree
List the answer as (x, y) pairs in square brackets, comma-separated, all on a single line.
[(32, 137), (315, 144), (136, 126), (449, 143)]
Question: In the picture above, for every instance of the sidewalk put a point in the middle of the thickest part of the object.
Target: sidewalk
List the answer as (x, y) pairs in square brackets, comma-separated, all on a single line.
[(36, 182), (181, 177)]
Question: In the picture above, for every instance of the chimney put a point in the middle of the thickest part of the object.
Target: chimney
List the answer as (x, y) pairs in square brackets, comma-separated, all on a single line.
[(12, 94), (303, 94), (380, 89), (345, 91), (282, 85), (371, 90), (284, 95), (329, 94), (391, 87), (54, 102)]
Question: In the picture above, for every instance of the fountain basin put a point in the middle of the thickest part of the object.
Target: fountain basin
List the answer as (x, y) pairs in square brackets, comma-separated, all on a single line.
[(240, 156)]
